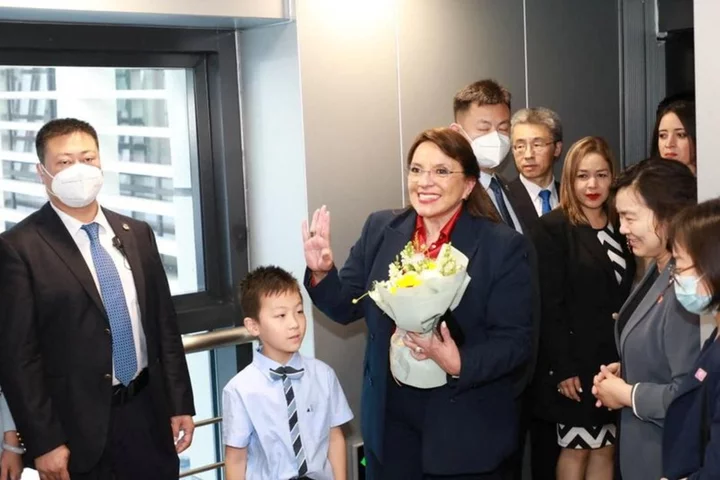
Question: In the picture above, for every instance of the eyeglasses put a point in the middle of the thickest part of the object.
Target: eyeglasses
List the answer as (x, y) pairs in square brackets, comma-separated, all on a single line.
[(417, 172), (537, 146)]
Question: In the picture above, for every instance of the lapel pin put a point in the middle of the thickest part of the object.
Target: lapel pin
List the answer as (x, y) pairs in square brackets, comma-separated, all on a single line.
[(125, 226)]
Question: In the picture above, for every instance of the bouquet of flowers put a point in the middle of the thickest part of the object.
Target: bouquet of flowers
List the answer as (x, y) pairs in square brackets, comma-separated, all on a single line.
[(418, 292)]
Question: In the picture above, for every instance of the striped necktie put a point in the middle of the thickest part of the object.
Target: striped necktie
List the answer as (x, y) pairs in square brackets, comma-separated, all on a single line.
[(287, 374)]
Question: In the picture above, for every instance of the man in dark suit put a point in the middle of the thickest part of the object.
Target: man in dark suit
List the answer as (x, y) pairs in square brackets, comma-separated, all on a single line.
[(482, 114), (537, 137), (91, 360)]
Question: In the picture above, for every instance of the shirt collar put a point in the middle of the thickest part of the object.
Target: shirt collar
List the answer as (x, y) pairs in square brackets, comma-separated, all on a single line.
[(264, 364), (444, 236), (534, 190), (74, 225), (485, 179)]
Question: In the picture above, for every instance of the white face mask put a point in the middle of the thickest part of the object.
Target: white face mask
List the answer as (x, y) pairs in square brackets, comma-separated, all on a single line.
[(78, 185), (491, 149)]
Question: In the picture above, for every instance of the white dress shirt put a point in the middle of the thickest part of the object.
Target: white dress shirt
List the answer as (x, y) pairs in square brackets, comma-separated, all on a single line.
[(6, 421), (106, 235), (255, 417), (485, 179), (534, 192)]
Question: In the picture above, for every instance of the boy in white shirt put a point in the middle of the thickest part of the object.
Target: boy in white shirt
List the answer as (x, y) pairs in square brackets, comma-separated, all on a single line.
[(283, 412)]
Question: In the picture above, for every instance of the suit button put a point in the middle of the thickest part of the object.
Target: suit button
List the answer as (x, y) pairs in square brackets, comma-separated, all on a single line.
[(107, 376), (370, 381), (372, 337)]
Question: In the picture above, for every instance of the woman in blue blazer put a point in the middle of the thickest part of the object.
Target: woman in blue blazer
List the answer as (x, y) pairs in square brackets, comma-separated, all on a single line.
[(691, 440), (10, 451), (468, 427)]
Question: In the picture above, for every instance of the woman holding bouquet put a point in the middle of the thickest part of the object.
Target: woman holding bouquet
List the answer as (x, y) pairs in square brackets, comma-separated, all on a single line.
[(586, 272), (466, 428)]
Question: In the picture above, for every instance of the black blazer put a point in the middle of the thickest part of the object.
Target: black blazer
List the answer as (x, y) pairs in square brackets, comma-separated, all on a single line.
[(579, 294), (523, 205), (495, 316), (55, 346)]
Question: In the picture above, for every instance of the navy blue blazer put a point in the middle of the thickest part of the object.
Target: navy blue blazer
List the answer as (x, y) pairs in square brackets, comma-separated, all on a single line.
[(471, 425), (684, 428)]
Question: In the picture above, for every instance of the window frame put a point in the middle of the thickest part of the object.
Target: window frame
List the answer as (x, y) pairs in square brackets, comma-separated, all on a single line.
[(214, 108)]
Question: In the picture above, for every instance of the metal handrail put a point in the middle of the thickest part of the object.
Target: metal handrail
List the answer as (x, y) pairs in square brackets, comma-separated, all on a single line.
[(202, 342), (208, 421), (226, 337), (206, 468)]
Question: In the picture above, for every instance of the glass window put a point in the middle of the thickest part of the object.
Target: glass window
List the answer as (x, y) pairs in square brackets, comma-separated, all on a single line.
[(144, 150), (22, 171), (139, 78), (23, 202), (143, 113), (202, 451), (143, 119)]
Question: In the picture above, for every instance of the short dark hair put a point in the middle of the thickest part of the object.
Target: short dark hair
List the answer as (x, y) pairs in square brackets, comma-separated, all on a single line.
[(482, 92), (264, 282), (456, 146), (666, 187), (58, 128), (697, 229)]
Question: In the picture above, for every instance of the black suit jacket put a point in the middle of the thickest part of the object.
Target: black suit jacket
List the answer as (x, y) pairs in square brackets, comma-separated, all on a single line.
[(524, 377), (55, 344), (579, 293), (523, 205)]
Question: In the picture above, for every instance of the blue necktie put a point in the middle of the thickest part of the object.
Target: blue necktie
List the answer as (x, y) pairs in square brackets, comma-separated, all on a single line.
[(111, 289), (500, 199), (545, 197), (286, 374)]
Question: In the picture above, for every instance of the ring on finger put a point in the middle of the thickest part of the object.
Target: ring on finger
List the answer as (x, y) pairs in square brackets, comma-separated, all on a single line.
[(418, 350)]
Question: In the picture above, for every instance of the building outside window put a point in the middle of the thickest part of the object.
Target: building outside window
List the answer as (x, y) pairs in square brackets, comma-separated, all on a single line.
[(142, 120), (144, 124)]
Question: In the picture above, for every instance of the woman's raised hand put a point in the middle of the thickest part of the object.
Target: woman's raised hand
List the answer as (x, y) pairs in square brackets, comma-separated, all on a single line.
[(316, 243)]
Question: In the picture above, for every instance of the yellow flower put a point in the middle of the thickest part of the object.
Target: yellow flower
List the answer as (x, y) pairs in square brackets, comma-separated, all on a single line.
[(409, 280)]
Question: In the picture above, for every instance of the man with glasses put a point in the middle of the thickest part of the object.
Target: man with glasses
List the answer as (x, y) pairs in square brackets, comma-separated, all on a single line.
[(536, 145)]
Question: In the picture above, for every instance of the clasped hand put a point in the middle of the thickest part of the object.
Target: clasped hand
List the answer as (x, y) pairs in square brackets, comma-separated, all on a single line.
[(441, 348), (610, 390)]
